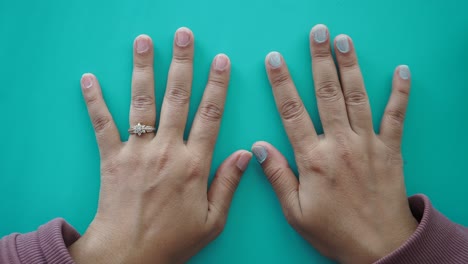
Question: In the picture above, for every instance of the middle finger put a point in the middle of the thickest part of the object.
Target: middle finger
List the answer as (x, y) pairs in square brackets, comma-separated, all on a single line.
[(330, 100), (174, 110)]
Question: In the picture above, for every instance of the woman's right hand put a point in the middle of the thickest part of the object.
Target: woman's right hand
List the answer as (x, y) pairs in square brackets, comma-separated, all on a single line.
[(154, 205), (350, 200)]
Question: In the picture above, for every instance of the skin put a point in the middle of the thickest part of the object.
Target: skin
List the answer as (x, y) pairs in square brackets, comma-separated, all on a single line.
[(154, 204), (349, 200)]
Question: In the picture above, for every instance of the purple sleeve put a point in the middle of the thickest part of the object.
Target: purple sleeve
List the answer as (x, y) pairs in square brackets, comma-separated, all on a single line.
[(436, 239), (46, 245)]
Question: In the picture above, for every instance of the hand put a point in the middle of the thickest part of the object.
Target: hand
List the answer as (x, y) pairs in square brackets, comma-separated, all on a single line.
[(350, 200), (154, 206)]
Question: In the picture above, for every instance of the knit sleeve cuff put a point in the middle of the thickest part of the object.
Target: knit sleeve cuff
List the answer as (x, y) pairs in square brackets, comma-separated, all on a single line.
[(48, 244), (436, 239)]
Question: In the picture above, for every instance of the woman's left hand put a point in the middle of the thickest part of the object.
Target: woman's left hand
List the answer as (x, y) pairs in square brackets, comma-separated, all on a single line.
[(154, 204)]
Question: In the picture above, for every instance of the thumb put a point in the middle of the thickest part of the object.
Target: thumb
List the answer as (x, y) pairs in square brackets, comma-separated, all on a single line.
[(284, 182), (225, 183)]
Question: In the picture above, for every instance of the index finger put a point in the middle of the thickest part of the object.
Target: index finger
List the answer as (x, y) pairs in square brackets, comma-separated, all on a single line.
[(296, 120)]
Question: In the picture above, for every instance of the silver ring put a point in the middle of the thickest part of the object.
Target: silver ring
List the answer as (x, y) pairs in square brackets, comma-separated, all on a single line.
[(141, 129)]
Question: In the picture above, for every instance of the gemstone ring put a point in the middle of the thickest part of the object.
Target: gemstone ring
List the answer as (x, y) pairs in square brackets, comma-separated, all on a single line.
[(141, 129)]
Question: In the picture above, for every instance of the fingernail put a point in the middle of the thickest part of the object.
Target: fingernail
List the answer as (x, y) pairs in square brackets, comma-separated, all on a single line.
[(183, 37), (142, 44), (404, 72), (319, 32), (221, 62), (260, 153), (87, 80), (274, 59), (342, 43), (243, 161)]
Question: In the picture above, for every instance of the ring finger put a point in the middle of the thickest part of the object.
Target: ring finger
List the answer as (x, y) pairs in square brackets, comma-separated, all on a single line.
[(142, 109)]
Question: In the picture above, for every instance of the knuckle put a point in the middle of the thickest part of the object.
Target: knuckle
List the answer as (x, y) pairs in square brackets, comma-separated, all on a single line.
[(183, 58), (100, 123), (217, 82), (161, 160), (274, 175), (403, 91), (314, 161), (292, 109), (344, 151), (395, 116), (356, 98), (177, 94), (348, 64), (210, 111), (142, 67), (321, 53), (229, 183), (195, 171), (142, 102), (328, 91), (92, 100), (280, 79)]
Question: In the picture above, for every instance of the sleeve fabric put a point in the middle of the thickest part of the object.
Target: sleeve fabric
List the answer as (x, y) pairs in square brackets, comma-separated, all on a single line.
[(436, 239), (46, 245)]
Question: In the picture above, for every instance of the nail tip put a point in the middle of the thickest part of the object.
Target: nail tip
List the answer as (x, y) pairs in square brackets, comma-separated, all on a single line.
[(342, 43), (404, 72), (260, 153), (319, 33), (274, 59)]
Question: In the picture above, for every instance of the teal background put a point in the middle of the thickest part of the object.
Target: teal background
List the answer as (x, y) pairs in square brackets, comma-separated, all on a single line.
[(49, 163)]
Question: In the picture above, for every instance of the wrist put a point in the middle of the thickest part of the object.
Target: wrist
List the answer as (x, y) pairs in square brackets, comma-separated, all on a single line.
[(372, 247), (103, 245)]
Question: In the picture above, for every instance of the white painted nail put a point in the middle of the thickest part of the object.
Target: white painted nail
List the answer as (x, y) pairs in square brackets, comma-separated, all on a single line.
[(319, 33), (274, 59), (404, 72), (342, 43), (260, 153)]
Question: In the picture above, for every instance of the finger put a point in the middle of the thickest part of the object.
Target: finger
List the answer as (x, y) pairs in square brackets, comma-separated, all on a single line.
[(225, 184), (176, 100), (330, 100), (208, 119), (355, 95), (142, 109), (107, 135), (296, 120), (391, 128), (283, 180)]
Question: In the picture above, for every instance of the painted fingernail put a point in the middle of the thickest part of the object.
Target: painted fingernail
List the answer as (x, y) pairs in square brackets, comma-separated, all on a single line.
[(404, 72), (243, 161), (142, 44), (274, 59), (319, 32), (221, 62), (260, 153), (342, 43), (87, 81), (183, 37)]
